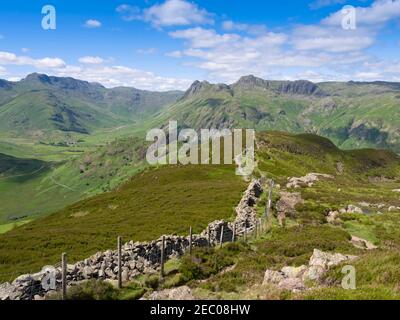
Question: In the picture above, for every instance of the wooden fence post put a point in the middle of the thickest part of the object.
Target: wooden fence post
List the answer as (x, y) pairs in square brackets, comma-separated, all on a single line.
[(64, 275), (119, 263), (162, 256), (268, 209), (221, 239), (209, 237), (190, 240), (245, 234)]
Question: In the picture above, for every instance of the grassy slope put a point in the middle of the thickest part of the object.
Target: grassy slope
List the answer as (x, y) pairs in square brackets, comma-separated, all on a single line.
[(353, 116), (283, 155), (41, 187), (166, 200)]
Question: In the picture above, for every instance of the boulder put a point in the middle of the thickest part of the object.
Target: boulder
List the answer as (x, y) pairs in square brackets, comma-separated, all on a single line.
[(306, 181), (292, 284), (7, 291), (181, 293), (293, 272), (320, 262), (274, 277)]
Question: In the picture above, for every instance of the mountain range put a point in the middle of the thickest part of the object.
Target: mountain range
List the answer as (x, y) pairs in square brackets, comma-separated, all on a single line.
[(351, 114), (39, 105)]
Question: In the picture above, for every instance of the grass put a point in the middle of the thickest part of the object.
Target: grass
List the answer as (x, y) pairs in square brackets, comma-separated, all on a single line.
[(159, 201)]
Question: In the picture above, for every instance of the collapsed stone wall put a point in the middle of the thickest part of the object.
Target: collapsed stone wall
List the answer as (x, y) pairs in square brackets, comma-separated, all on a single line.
[(137, 257)]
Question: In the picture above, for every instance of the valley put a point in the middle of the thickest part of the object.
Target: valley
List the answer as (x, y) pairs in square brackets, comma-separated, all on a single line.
[(74, 176)]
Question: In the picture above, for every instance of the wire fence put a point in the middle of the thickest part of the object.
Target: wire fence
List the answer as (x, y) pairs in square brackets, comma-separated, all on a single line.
[(58, 277)]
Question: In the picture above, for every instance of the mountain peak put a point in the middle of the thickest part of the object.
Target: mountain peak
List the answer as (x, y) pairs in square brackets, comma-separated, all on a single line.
[(251, 81), (202, 86), (37, 77)]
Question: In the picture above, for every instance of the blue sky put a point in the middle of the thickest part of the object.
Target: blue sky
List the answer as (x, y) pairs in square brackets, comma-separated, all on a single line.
[(167, 44)]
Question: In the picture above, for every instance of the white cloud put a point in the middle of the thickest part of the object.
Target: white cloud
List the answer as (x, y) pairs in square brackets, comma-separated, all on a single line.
[(8, 58), (255, 29), (112, 76), (331, 39), (317, 4), (176, 13), (129, 12), (25, 50), (91, 60), (204, 38), (3, 71), (92, 23), (175, 54), (147, 51)]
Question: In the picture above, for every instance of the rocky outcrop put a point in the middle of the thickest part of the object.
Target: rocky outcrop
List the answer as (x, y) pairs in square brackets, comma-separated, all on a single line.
[(294, 278), (287, 203), (306, 181), (183, 293), (137, 257)]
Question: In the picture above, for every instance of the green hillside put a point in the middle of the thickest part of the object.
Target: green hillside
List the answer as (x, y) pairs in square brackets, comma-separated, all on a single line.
[(169, 199), (160, 201), (54, 109), (353, 115), (32, 188)]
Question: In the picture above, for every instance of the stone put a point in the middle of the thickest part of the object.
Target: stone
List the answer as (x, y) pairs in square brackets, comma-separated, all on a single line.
[(183, 293), (125, 275), (354, 209), (321, 261), (287, 203), (332, 216), (292, 284), (293, 272), (274, 277), (306, 181), (393, 209), (87, 272), (6, 291)]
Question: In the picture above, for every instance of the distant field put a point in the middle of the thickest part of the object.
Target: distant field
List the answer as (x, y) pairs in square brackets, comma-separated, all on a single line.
[(161, 201)]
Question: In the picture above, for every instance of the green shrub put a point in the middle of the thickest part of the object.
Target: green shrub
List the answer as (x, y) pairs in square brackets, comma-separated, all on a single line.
[(152, 281), (204, 262), (92, 290)]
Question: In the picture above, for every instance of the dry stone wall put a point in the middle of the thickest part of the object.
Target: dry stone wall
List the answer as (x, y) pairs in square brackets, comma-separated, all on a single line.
[(137, 257)]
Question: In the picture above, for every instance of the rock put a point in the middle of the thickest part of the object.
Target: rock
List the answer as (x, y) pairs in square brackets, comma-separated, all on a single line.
[(354, 209), (292, 284), (396, 190), (7, 291), (87, 272), (393, 209), (321, 261), (125, 275), (274, 277), (293, 272), (306, 181), (181, 294), (332, 216), (287, 203)]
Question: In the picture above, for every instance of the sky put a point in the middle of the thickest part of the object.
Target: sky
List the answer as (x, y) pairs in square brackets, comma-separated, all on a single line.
[(167, 44)]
